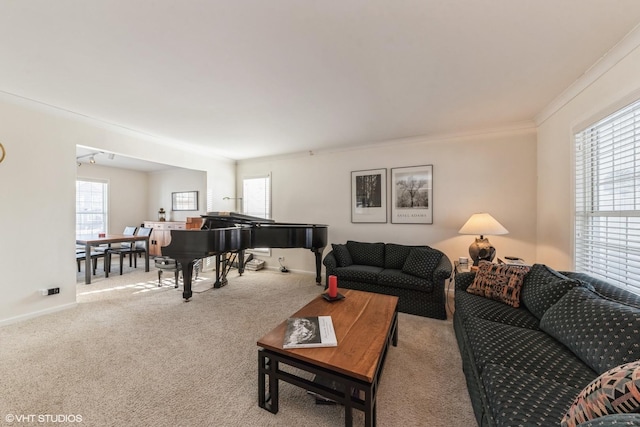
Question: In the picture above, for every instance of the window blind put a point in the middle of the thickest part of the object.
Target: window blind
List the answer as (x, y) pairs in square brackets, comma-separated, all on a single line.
[(256, 200), (607, 219), (256, 196), (91, 208)]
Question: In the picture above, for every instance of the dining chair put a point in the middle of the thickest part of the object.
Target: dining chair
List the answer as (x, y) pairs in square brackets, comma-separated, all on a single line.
[(133, 248), (81, 256), (122, 249), (129, 231)]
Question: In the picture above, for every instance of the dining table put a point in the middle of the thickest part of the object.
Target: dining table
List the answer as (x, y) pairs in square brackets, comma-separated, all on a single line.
[(108, 239)]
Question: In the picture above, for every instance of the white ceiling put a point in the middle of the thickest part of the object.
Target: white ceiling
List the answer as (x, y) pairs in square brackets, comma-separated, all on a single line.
[(250, 78)]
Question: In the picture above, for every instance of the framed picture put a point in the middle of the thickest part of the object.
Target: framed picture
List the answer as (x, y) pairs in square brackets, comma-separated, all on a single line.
[(369, 195), (412, 195), (184, 201)]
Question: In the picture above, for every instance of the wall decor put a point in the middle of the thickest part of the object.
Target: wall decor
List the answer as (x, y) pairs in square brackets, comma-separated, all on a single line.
[(184, 201), (369, 195), (412, 195), (2, 152)]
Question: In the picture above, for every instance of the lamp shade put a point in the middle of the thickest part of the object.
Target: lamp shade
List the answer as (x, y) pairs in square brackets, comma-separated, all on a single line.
[(483, 224)]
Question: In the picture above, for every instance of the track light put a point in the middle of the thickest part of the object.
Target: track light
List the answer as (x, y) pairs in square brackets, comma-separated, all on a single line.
[(92, 157)]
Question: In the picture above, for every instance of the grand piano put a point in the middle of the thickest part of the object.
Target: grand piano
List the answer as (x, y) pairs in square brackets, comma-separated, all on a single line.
[(226, 235)]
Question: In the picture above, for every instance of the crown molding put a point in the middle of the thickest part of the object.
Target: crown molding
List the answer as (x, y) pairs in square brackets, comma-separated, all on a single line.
[(616, 54), (516, 128), (34, 104)]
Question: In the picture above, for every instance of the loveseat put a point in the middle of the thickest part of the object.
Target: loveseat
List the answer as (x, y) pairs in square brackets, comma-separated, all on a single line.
[(547, 348), (415, 274)]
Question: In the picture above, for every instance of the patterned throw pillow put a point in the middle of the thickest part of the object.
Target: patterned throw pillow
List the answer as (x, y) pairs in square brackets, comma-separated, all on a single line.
[(601, 332), (421, 262), (616, 391), (543, 287), (499, 282), (343, 257)]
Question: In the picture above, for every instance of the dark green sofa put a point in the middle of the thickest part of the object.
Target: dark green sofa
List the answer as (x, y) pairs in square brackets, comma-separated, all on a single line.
[(525, 366), (415, 274)]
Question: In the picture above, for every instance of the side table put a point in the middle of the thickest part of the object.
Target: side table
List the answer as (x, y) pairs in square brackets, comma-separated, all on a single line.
[(457, 269), (463, 268)]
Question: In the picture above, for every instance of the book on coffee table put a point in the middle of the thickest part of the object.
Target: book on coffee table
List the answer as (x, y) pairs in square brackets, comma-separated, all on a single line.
[(309, 332)]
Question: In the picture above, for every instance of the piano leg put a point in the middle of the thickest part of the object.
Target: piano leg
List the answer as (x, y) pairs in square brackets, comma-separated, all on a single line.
[(241, 262), (221, 270), (318, 253), (187, 270)]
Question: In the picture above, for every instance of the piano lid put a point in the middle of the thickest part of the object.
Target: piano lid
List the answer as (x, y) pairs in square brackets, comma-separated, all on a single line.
[(235, 218)]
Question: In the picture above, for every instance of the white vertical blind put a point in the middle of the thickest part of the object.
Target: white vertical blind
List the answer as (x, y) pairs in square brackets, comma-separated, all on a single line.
[(256, 196), (91, 208), (256, 200), (607, 223)]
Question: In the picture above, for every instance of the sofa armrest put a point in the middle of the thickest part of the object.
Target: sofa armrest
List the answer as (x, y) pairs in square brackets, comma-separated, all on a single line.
[(331, 264), (613, 420), (330, 261), (464, 280), (443, 269)]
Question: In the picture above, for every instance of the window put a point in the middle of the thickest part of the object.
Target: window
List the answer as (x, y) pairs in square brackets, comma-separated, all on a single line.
[(91, 208), (184, 201), (256, 196), (256, 201), (607, 222)]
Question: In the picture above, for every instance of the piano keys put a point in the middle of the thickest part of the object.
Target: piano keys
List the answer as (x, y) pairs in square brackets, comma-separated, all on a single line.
[(225, 233)]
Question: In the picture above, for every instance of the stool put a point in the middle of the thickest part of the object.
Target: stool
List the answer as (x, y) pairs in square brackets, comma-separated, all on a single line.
[(165, 263)]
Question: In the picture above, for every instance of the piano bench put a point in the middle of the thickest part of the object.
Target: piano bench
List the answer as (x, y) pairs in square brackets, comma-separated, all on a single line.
[(164, 263)]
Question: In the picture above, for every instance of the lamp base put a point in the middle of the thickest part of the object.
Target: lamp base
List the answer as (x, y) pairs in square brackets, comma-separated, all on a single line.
[(481, 250)]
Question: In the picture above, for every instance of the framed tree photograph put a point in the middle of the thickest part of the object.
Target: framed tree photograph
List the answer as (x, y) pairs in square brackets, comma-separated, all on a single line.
[(412, 195), (369, 195)]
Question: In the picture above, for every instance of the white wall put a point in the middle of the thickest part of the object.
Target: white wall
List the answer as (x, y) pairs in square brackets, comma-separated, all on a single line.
[(37, 198), (37, 226), (493, 172), (617, 87), (127, 198), (136, 196), (163, 183)]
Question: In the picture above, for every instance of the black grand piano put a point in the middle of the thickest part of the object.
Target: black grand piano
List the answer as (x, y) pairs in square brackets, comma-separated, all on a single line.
[(226, 235)]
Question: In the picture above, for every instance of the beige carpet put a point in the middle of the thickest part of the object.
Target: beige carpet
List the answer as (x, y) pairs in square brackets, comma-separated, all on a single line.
[(133, 354)]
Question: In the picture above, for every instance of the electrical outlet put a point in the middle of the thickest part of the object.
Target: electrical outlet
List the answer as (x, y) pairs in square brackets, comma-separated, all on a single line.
[(50, 291)]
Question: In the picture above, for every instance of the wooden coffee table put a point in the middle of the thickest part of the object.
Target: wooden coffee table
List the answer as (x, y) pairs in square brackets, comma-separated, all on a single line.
[(366, 324)]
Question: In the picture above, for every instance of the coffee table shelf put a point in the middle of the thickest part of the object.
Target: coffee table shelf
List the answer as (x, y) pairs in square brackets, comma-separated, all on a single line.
[(366, 325)]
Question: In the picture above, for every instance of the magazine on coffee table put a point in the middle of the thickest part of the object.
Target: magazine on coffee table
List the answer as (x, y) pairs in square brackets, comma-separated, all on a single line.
[(309, 332)]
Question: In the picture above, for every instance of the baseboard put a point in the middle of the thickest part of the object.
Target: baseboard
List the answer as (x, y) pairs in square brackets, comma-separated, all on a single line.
[(34, 314)]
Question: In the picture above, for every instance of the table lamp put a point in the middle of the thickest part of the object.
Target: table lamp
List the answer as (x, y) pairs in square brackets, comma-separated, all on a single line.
[(482, 224)]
